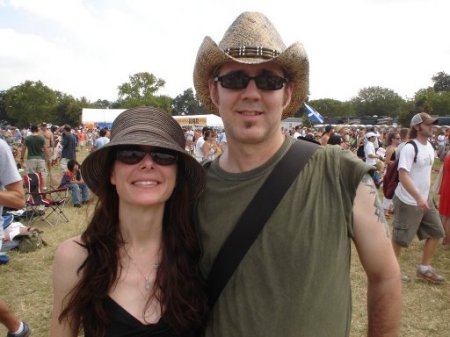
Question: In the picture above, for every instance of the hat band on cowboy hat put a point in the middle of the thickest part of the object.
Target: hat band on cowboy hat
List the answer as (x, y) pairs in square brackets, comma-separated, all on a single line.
[(252, 39), (146, 126)]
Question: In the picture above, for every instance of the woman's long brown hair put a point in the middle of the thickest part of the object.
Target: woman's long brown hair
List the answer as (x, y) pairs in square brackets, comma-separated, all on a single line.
[(178, 285)]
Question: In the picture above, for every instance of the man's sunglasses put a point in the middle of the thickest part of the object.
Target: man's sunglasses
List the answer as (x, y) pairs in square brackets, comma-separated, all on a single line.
[(239, 80), (131, 155)]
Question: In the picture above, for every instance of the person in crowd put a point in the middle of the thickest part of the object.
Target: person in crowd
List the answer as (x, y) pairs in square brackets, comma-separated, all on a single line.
[(135, 267), (286, 284), (50, 142), (378, 174), (198, 150), (72, 179), (38, 157), (326, 135), (69, 145), (442, 144), (335, 139), (414, 210), (101, 141), (210, 147), (11, 195), (392, 141), (444, 201), (369, 149), (296, 132), (190, 136), (223, 142)]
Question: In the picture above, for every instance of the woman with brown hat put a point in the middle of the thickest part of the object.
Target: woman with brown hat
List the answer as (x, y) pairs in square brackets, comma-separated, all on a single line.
[(133, 271)]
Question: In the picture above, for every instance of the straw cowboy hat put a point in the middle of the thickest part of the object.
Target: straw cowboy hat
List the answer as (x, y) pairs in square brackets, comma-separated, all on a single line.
[(148, 126), (252, 39)]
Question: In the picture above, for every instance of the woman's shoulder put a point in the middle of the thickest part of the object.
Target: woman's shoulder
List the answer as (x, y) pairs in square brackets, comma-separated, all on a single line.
[(71, 252)]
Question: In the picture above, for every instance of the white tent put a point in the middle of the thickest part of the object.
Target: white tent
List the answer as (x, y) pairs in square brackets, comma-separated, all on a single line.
[(200, 120), (105, 117), (93, 117)]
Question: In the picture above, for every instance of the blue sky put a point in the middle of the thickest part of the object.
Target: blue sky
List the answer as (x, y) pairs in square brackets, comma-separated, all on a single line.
[(89, 47)]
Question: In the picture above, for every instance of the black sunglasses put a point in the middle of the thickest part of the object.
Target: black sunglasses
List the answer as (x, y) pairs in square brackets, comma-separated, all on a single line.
[(238, 80), (131, 155)]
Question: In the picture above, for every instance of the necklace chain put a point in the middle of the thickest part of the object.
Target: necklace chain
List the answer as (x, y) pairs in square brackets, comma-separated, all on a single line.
[(148, 283)]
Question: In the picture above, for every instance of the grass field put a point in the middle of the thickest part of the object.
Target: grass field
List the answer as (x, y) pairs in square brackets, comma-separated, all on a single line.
[(26, 285)]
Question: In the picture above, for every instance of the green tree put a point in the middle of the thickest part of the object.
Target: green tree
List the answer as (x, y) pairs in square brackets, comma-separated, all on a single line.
[(140, 91), (101, 104), (68, 110), (436, 103), (187, 104), (441, 82), (328, 107), (3, 115), (30, 103), (163, 102), (377, 101)]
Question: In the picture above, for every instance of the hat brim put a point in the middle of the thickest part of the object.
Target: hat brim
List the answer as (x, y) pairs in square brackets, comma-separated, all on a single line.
[(293, 60)]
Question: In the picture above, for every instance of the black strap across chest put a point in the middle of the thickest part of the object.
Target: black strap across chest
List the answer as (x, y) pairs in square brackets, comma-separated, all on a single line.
[(256, 215)]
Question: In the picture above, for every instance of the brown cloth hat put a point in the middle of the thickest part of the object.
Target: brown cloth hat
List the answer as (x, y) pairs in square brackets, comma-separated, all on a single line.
[(252, 39), (148, 126)]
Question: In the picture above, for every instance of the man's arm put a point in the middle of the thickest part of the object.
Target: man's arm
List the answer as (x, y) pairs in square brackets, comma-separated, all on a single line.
[(372, 241), (14, 196)]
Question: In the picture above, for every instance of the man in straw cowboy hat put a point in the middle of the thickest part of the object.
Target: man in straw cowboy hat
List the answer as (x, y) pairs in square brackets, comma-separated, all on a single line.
[(294, 279)]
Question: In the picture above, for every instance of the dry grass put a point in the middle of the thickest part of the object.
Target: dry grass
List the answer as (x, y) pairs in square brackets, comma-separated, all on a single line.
[(26, 286)]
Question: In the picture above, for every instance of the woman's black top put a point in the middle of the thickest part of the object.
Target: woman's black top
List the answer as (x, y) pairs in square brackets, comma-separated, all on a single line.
[(123, 324)]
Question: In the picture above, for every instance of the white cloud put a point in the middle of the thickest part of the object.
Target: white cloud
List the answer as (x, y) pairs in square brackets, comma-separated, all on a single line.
[(89, 47)]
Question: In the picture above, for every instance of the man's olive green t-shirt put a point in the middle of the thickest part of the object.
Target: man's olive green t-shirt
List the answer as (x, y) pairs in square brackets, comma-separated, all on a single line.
[(295, 278), (35, 147)]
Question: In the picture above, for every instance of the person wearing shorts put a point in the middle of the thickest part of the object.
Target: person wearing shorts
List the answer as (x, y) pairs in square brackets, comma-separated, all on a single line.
[(414, 210)]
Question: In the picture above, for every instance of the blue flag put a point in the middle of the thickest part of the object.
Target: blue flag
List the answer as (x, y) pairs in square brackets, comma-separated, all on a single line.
[(313, 114)]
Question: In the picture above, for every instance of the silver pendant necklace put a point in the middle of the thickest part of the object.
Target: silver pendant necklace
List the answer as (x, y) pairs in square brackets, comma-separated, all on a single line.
[(148, 282)]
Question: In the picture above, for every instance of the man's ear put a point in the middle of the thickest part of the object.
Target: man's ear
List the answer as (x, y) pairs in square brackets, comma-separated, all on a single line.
[(212, 86), (287, 95)]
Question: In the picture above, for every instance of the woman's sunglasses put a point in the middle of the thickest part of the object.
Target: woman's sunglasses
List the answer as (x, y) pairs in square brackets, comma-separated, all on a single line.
[(239, 80), (131, 155)]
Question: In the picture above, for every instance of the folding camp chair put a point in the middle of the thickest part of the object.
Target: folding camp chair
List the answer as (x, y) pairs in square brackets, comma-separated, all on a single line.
[(38, 200)]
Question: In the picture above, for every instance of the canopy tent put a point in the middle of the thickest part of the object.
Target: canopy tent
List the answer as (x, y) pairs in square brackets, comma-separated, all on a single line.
[(104, 117), (99, 117), (200, 120)]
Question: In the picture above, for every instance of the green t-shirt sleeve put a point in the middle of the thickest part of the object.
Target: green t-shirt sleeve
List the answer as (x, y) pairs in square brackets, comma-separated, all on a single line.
[(352, 169)]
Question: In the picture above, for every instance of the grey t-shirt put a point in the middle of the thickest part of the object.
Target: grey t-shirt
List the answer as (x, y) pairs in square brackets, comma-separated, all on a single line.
[(8, 173)]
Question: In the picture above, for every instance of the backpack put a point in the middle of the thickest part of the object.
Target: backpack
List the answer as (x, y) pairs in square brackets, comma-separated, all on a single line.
[(391, 178), (30, 242)]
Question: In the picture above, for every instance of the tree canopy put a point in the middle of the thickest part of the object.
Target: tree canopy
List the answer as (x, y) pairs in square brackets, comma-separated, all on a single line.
[(378, 101), (187, 104), (30, 103), (140, 90), (33, 102), (441, 82)]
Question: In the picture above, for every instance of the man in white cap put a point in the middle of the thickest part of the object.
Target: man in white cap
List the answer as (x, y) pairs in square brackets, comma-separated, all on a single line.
[(369, 149), (294, 280), (414, 210)]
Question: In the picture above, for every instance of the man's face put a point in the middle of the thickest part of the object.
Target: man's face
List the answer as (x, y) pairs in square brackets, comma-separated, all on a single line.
[(250, 115), (425, 129)]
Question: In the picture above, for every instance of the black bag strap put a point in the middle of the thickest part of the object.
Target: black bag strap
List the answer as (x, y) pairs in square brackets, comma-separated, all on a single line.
[(255, 216)]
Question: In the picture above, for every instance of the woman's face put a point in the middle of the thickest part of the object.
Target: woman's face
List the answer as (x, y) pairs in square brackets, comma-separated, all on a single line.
[(144, 183)]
